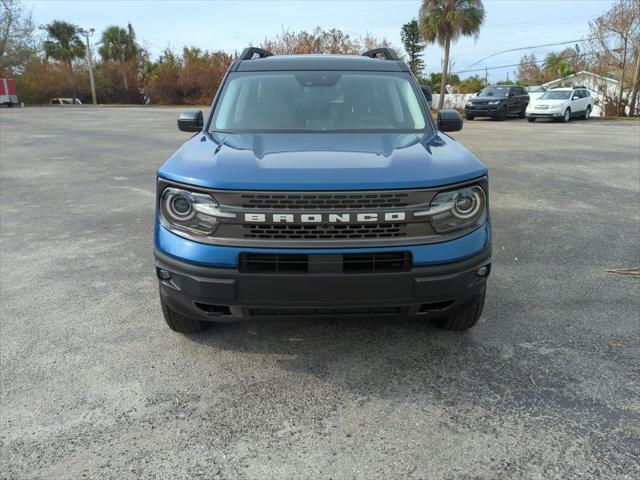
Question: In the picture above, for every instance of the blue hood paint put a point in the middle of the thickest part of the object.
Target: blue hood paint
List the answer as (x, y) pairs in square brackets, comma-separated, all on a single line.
[(321, 161)]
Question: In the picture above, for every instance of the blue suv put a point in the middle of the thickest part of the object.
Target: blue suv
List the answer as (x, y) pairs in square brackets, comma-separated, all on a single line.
[(321, 185)]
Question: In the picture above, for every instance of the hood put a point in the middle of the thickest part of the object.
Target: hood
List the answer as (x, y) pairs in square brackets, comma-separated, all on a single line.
[(321, 161), (551, 103), (486, 99)]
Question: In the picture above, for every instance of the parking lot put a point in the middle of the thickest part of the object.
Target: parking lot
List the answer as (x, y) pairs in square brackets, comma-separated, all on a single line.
[(95, 385)]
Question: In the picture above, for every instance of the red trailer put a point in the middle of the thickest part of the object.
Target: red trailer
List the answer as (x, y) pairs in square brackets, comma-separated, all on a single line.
[(8, 95)]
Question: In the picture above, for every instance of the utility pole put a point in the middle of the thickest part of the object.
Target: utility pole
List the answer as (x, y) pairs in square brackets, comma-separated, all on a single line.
[(86, 34)]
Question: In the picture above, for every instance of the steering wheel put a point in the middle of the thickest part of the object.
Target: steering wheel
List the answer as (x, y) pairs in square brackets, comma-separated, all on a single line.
[(374, 121)]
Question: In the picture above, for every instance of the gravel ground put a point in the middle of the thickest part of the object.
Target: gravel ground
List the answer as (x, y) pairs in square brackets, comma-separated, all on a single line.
[(95, 386)]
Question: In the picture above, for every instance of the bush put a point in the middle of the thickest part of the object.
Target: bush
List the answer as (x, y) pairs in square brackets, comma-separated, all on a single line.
[(41, 80), (110, 87), (191, 79)]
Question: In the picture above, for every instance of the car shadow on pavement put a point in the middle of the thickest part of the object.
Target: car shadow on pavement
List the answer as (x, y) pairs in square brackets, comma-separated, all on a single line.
[(391, 357), (492, 365)]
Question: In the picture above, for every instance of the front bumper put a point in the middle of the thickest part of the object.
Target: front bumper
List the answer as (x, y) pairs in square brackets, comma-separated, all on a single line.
[(212, 292), (544, 114), (483, 111)]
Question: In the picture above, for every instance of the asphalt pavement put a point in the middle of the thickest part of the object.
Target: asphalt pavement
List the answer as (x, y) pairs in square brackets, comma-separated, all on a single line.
[(94, 385)]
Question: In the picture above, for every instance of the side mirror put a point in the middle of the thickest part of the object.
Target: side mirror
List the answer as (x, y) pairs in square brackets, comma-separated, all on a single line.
[(575, 97), (190, 120), (426, 91), (449, 121)]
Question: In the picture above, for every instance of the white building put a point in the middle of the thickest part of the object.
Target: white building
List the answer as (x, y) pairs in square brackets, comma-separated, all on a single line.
[(596, 84)]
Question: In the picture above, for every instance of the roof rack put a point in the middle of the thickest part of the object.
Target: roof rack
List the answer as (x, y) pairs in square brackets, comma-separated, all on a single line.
[(388, 53), (569, 86), (249, 53)]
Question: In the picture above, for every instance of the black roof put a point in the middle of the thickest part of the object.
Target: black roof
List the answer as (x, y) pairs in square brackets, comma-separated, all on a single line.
[(319, 62)]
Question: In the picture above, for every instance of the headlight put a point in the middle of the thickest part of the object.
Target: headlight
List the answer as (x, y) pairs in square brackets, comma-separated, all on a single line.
[(469, 104), (456, 209), (495, 102), (191, 212)]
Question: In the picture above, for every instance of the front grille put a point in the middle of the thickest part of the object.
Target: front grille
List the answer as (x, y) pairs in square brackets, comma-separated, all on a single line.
[(325, 232), (272, 312), (323, 219), (325, 201), (348, 263)]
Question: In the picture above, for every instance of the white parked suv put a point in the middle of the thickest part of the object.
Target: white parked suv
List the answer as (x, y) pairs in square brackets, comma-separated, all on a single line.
[(561, 103)]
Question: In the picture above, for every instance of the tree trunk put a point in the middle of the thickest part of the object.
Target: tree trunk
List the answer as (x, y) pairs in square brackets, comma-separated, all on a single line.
[(125, 81), (623, 69), (73, 82), (445, 73), (636, 80)]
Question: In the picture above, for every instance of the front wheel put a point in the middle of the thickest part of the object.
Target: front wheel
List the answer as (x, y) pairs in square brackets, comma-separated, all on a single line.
[(502, 114), (468, 117), (463, 319), (531, 119), (523, 112), (567, 116), (181, 324), (587, 113)]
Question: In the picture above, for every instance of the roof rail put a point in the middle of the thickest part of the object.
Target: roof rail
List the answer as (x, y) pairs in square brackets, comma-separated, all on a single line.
[(248, 53), (388, 53)]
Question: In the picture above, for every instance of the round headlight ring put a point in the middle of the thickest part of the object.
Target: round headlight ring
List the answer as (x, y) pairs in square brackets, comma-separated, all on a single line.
[(179, 206), (467, 204)]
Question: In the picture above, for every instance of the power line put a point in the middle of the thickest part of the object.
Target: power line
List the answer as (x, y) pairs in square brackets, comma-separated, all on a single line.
[(529, 48), (525, 63)]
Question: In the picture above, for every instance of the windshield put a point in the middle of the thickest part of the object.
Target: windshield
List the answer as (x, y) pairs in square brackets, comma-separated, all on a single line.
[(494, 92), (535, 89), (309, 101), (556, 95)]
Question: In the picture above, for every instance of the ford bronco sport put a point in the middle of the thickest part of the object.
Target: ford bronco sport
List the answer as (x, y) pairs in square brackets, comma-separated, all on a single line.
[(321, 185)]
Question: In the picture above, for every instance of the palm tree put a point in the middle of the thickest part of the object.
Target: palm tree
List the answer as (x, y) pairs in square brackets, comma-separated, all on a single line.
[(552, 63), (565, 70), (119, 45), (444, 21), (64, 45)]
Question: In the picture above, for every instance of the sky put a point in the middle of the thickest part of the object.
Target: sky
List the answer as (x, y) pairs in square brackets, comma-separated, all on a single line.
[(231, 25)]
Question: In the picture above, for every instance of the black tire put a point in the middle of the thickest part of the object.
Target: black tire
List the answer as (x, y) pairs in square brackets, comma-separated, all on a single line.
[(464, 319), (587, 113), (524, 111), (181, 324), (502, 114), (531, 119), (468, 117), (567, 116)]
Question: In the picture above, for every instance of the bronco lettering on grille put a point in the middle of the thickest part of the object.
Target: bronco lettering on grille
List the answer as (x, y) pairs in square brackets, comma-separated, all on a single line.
[(324, 218)]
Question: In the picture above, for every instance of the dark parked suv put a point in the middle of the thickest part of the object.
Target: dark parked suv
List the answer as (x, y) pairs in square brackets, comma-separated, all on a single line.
[(498, 101)]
